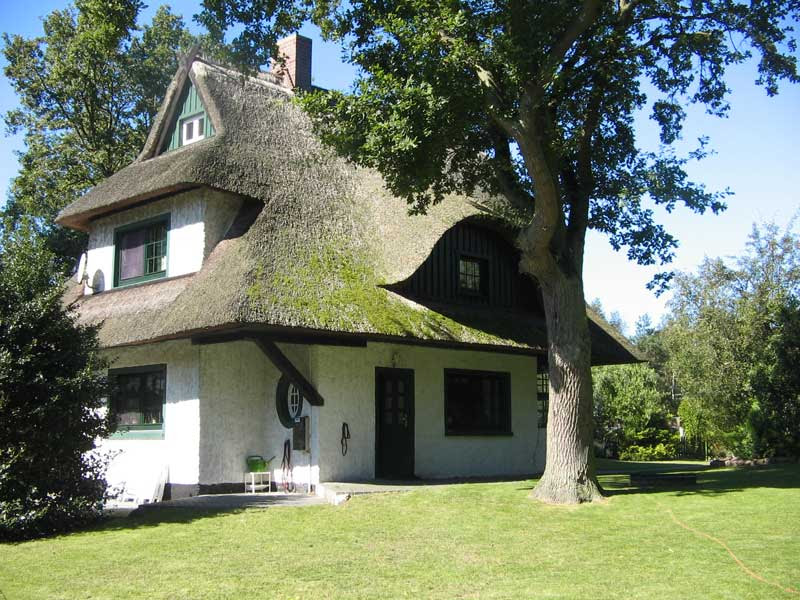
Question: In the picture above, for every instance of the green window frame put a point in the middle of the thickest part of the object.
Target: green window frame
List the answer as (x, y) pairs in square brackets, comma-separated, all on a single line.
[(137, 399), (477, 403), (141, 251), (543, 395)]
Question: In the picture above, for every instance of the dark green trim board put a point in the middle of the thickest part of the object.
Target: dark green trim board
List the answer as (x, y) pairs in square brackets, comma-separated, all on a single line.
[(138, 432), (225, 336), (138, 369), (150, 431), (119, 231), (190, 104), (282, 404)]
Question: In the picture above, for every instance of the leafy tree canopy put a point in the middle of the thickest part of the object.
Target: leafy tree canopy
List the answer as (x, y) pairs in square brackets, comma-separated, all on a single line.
[(459, 94), (730, 334), (534, 102), (631, 402), (88, 89), (626, 396)]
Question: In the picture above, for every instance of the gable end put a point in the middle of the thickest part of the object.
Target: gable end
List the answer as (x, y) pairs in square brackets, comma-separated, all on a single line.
[(190, 121)]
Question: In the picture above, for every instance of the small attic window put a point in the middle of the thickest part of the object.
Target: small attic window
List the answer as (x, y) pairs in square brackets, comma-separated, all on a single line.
[(193, 129), (472, 275)]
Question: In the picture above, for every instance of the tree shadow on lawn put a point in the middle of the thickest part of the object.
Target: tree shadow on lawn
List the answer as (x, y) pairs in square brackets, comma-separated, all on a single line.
[(107, 524), (710, 482)]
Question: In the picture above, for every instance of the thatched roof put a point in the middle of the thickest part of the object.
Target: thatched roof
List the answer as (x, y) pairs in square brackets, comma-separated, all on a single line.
[(327, 238)]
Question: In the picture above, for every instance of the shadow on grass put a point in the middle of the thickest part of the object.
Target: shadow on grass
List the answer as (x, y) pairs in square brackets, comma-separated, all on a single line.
[(166, 513), (615, 478), (131, 522), (710, 482)]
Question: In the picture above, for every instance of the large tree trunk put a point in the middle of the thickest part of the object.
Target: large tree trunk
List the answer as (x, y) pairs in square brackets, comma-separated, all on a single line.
[(569, 476)]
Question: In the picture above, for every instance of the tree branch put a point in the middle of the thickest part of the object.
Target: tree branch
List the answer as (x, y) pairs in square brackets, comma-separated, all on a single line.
[(494, 101), (584, 20), (503, 167)]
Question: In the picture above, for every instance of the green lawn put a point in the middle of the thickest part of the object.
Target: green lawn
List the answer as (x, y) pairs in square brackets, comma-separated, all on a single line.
[(449, 541)]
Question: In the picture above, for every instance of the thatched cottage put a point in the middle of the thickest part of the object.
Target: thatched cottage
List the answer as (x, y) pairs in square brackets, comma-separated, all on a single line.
[(252, 288)]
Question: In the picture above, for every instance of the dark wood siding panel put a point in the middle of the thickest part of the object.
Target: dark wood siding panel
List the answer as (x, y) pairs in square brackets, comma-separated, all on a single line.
[(436, 279)]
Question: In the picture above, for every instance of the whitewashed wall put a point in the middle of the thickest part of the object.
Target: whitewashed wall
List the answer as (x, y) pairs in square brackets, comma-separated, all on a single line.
[(138, 463), (238, 416), (221, 408), (346, 379), (198, 220)]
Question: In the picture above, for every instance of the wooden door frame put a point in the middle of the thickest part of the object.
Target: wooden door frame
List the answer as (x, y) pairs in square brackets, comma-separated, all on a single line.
[(411, 416)]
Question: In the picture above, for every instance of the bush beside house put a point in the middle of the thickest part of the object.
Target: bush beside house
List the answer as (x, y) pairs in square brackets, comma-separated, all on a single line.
[(50, 393)]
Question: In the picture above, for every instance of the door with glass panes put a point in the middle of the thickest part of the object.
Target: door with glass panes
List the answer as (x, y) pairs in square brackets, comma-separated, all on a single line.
[(394, 427)]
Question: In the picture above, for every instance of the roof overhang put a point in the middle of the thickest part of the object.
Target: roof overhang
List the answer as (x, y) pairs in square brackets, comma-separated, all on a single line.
[(82, 221)]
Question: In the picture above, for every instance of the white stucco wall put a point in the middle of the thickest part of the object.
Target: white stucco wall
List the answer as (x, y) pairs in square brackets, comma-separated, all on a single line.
[(139, 462), (346, 379), (238, 416), (221, 408), (198, 220)]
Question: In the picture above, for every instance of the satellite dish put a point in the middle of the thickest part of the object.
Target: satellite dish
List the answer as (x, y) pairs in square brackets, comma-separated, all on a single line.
[(80, 273)]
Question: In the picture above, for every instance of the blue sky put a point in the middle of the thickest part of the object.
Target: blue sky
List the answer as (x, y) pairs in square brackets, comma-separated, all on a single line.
[(757, 156)]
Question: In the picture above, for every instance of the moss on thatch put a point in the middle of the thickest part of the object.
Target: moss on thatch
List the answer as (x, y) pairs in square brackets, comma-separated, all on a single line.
[(327, 238), (338, 291)]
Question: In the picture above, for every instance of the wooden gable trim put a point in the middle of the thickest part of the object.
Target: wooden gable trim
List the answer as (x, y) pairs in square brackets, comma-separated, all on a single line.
[(168, 110), (165, 113), (171, 136)]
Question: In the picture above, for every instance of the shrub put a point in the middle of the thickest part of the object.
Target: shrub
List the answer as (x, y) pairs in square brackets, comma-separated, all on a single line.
[(646, 453), (50, 393)]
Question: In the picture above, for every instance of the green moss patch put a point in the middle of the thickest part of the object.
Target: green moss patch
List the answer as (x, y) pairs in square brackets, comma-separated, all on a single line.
[(338, 290)]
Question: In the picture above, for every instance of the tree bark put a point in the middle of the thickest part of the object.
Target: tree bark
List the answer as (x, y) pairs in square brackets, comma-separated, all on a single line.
[(569, 476)]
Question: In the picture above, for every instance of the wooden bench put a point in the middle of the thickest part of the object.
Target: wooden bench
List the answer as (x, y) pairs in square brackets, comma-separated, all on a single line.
[(663, 479)]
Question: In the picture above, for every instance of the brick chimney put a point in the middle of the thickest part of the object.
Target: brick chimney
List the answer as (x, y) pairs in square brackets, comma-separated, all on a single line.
[(296, 70)]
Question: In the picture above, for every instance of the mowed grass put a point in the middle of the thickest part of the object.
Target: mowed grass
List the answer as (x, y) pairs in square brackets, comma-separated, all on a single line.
[(484, 540)]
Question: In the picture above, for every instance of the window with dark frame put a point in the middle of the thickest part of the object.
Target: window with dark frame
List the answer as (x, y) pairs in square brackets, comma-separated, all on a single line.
[(138, 396), (477, 402), (471, 275), (543, 395), (141, 252)]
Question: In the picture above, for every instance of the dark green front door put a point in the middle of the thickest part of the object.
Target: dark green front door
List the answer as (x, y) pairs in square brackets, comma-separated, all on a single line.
[(394, 423)]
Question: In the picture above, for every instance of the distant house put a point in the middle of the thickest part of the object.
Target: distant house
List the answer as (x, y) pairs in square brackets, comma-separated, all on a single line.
[(245, 278)]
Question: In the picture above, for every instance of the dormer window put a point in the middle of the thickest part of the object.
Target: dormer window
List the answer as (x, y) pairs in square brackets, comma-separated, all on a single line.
[(189, 123), (472, 275), (193, 129), (140, 251)]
